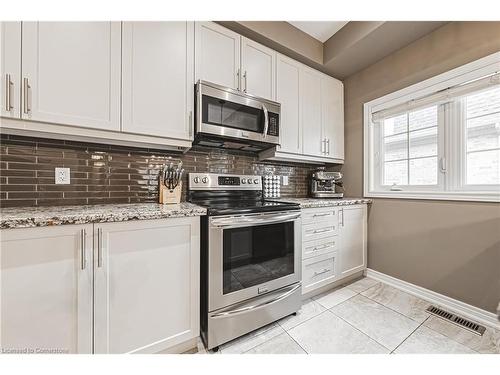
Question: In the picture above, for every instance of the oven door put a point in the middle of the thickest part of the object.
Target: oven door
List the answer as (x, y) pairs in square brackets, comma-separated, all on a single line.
[(250, 255), (228, 113)]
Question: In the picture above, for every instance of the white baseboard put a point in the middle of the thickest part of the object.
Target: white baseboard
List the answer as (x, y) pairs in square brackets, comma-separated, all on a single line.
[(461, 308)]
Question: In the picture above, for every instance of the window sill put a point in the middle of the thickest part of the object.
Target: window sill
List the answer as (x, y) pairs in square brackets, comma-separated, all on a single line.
[(444, 196)]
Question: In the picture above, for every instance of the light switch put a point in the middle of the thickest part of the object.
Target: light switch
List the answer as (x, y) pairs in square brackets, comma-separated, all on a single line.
[(285, 180), (62, 176)]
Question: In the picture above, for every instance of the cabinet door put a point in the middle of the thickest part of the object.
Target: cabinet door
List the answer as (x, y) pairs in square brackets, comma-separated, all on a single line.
[(332, 116), (158, 78), (46, 289), (10, 69), (288, 94), (217, 55), (353, 235), (258, 65), (146, 285), (71, 73), (310, 95)]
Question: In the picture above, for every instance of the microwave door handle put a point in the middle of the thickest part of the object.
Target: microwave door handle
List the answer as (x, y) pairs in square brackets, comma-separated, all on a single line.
[(266, 120)]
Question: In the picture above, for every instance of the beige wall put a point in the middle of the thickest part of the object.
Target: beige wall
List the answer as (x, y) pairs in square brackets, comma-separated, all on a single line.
[(452, 248)]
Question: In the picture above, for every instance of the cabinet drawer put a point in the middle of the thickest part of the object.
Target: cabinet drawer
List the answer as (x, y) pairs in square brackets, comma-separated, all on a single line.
[(318, 271), (315, 231), (312, 215), (319, 247)]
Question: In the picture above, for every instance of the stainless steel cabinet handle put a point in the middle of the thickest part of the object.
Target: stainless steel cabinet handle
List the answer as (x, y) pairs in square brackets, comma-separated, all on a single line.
[(83, 255), (316, 248), (328, 143), (323, 145), (245, 80), (190, 123), (266, 120), (8, 93), (238, 79), (258, 306), (99, 247), (27, 99), (321, 272), (342, 216)]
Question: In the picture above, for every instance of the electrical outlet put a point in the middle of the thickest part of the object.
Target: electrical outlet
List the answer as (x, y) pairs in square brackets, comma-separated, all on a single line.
[(62, 176), (285, 180)]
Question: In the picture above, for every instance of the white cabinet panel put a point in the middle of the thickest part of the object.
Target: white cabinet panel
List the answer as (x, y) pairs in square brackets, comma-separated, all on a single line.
[(46, 288), (310, 84), (158, 78), (332, 116), (353, 237), (258, 69), (288, 94), (217, 55), (71, 73), (147, 285), (10, 69)]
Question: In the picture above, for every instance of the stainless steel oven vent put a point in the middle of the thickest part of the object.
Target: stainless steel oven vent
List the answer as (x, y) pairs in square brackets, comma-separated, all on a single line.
[(464, 323)]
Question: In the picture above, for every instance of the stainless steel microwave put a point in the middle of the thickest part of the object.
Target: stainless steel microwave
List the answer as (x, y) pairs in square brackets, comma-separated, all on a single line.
[(228, 118)]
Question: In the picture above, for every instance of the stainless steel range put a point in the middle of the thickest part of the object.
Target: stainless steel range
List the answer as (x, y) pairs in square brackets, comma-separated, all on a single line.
[(250, 256)]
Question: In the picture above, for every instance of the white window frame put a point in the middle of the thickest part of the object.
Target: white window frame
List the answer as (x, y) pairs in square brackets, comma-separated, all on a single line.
[(451, 163)]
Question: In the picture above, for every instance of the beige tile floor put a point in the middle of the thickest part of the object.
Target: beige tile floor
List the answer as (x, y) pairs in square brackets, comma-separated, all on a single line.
[(363, 317)]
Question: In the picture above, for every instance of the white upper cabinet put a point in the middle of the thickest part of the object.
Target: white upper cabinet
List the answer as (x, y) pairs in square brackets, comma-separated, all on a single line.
[(217, 55), (258, 69), (46, 288), (158, 78), (332, 117), (310, 83), (146, 285), (288, 94), (10, 65), (71, 73)]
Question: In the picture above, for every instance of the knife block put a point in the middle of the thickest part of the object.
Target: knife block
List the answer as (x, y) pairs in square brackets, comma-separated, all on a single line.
[(167, 196)]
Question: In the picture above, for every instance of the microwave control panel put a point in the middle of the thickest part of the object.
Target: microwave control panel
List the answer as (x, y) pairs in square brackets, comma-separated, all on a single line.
[(273, 124)]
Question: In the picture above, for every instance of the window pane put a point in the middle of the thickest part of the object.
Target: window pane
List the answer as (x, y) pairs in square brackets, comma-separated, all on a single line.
[(423, 171), (483, 103), (423, 143), (483, 137), (396, 172), (483, 133), (395, 125), (423, 118), (483, 168), (395, 147)]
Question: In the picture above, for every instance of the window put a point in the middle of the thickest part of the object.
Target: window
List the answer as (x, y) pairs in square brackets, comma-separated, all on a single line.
[(439, 139)]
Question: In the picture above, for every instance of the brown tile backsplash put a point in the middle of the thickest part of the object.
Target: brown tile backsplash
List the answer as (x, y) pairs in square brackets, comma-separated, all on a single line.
[(115, 174)]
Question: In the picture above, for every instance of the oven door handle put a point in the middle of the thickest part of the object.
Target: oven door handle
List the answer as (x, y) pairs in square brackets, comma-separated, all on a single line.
[(243, 310), (236, 222)]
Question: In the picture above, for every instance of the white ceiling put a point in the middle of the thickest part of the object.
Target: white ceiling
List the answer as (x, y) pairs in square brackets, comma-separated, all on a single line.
[(320, 30)]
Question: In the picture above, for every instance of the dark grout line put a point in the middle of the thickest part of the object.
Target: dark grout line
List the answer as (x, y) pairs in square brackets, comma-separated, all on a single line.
[(300, 346), (401, 343)]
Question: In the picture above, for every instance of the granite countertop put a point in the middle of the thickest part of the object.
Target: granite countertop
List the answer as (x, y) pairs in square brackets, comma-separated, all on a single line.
[(30, 217), (314, 202)]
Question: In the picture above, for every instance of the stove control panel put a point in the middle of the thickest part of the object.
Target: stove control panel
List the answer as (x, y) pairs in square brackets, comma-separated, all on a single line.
[(214, 181)]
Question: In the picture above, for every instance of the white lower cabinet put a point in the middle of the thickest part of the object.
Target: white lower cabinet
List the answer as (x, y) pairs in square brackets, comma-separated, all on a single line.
[(46, 289), (128, 287), (353, 239), (146, 285), (333, 244)]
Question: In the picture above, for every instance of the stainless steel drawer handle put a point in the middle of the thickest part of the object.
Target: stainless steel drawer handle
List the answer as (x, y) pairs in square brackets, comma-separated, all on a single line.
[(321, 272), (83, 255), (258, 306), (325, 246), (321, 230), (320, 215)]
